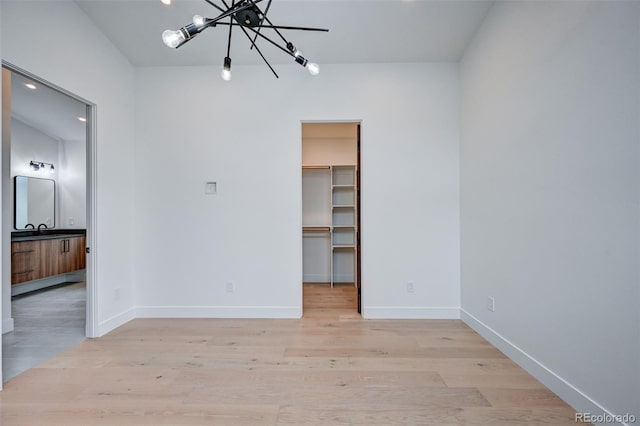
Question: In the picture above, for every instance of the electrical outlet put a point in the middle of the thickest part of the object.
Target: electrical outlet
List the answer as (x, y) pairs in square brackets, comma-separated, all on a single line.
[(410, 288), (230, 287), (491, 304), (71, 221)]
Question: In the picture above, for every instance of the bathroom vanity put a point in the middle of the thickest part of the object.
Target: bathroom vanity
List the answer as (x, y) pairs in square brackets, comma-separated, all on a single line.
[(41, 254), (49, 257)]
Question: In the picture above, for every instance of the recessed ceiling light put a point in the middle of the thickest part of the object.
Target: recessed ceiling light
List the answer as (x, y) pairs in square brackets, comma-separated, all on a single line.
[(167, 2), (84, 120), (30, 86)]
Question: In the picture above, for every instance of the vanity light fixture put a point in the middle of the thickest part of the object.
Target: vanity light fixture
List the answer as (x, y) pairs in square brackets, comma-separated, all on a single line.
[(40, 166), (250, 18)]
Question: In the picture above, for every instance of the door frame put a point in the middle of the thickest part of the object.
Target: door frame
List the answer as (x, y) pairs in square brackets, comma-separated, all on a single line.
[(358, 252), (91, 322)]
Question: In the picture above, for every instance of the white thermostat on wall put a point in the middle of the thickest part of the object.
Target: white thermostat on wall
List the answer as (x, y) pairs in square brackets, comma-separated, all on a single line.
[(210, 188)]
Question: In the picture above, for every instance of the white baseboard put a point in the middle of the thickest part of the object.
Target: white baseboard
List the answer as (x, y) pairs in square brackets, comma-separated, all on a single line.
[(407, 312), (116, 321), (288, 312), (7, 325), (577, 399)]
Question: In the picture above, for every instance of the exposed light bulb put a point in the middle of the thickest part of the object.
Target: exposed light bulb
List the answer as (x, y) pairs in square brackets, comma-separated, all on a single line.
[(172, 38), (84, 120), (314, 69), (198, 20), (166, 2), (30, 86), (226, 70)]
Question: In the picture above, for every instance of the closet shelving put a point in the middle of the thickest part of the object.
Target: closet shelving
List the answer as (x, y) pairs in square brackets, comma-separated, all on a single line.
[(340, 188)]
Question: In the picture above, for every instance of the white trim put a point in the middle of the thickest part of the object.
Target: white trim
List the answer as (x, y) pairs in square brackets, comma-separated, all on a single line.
[(92, 317), (7, 326), (115, 321), (92, 324), (286, 312), (573, 396), (410, 312)]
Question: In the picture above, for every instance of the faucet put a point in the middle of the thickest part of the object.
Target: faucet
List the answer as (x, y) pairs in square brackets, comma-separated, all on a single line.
[(42, 224), (29, 225)]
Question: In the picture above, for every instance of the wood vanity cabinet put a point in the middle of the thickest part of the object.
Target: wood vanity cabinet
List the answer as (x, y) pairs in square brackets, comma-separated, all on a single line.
[(72, 255), (24, 261), (31, 260)]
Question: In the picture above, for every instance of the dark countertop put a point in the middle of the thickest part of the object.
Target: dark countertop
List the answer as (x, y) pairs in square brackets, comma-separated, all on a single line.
[(46, 234)]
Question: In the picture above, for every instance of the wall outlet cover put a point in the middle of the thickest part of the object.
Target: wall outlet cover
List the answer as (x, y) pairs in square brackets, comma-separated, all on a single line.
[(491, 304)]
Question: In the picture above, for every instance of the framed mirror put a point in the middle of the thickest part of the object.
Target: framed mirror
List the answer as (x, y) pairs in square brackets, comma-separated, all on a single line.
[(35, 202)]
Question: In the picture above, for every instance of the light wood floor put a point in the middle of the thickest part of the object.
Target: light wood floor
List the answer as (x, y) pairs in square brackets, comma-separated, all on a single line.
[(323, 296), (329, 368)]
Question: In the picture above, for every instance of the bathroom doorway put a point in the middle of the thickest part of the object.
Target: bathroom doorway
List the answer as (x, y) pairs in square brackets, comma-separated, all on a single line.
[(48, 137), (331, 211)]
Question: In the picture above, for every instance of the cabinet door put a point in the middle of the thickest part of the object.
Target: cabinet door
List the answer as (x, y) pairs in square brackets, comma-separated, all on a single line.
[(74, 257), (24, 261), (50, 251)]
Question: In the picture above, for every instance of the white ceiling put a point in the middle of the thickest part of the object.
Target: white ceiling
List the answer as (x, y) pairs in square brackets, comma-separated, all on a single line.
[(364, 31), (53, 113)]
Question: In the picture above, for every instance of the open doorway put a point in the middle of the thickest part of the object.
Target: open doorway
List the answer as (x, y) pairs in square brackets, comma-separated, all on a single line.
[(46, 189), (331, 217)]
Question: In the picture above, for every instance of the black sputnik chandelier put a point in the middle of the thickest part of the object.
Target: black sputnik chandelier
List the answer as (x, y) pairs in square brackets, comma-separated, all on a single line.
[(246, 15)]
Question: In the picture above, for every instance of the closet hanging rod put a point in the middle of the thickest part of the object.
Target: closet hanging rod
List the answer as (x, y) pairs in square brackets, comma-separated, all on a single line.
[(316, 167), (315, 229)]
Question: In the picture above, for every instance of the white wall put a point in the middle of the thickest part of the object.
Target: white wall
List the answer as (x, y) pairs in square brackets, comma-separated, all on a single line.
[(65, 48), (193, 127), (73, 184), (550, 192)]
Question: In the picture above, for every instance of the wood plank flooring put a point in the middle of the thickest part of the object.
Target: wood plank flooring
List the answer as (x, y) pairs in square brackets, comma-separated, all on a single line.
[(323, 296), (329, 368)]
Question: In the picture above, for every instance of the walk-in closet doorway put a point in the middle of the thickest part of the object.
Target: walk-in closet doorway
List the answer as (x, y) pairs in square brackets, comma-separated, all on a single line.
[(331, 212)]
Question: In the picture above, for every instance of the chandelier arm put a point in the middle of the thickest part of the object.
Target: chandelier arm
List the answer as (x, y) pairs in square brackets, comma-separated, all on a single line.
[(253, 2), (253, 43), (286, 27), (264, 37), (229, 12), (281, 27), (230, 29)]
